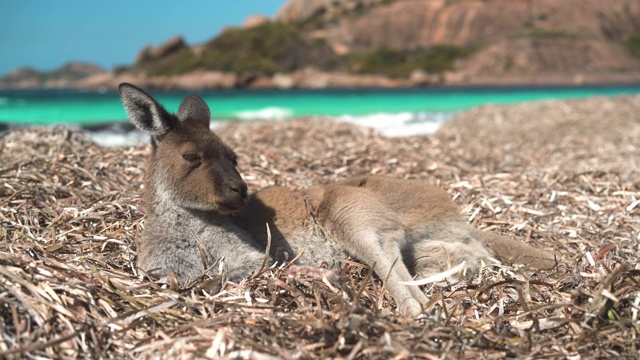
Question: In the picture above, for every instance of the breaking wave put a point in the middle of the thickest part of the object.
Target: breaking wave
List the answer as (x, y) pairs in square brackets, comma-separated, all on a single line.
[(401, 124)]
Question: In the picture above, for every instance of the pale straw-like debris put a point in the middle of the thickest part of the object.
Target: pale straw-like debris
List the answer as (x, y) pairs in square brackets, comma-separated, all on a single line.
[(560, 175)]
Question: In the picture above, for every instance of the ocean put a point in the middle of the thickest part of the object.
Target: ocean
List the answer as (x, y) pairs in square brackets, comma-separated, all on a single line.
[(394, 112)]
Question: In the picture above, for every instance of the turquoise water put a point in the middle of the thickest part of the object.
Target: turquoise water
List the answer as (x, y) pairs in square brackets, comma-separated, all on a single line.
[(46, 107)]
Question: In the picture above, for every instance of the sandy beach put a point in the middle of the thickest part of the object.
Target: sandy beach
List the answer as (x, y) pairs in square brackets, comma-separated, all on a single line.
[(560, 175)]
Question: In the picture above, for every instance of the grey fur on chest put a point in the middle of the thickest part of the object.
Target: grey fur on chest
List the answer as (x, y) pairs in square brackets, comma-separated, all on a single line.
[(187, 241)]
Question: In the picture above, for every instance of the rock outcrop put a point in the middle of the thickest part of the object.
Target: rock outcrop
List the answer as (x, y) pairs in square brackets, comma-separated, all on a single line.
[(406, 24), (255, 20), (513, 40), (162, 51)]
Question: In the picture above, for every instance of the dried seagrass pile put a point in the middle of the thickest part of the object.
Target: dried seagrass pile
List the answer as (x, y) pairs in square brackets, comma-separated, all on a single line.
[(561, 175)]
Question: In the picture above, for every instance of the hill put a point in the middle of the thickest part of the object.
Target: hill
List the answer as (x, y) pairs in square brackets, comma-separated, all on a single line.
[(65, 76), (508, 41), (393, 43)]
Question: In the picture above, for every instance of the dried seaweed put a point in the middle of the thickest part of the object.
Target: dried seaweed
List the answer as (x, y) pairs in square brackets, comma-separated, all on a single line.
[(560, 175)]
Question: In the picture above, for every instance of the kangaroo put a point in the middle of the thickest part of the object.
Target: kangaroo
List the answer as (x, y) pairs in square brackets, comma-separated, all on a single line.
[(199, 212)]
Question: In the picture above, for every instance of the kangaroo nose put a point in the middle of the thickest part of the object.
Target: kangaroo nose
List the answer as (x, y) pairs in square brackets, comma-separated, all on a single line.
[(240, 188)]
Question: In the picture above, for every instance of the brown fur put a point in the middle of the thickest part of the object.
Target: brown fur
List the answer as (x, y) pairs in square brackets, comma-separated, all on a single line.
[(401, 228)]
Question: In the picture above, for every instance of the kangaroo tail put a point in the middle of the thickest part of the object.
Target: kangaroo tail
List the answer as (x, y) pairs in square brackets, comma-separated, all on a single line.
[(513, 251)]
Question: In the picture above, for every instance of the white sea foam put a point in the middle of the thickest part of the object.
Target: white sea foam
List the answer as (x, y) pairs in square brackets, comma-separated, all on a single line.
[(268, 113), (388, 124), (401, 124), (117, 138)]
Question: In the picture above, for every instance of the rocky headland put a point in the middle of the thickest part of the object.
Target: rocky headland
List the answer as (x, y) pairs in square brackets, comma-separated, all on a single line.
[(391, 43)]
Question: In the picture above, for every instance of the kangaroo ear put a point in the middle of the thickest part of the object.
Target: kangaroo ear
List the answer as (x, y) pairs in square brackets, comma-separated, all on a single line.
[(194, 109), (144, 112)]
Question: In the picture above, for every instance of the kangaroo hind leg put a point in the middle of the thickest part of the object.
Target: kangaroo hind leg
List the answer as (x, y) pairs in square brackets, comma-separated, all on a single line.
[(371, 232), (438, 246)]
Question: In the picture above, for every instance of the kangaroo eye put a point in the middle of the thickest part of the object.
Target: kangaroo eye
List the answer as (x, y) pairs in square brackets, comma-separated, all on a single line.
[(233, 158), (190, 157)]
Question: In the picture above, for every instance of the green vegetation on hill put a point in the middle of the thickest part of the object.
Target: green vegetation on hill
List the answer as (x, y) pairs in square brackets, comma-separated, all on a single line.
[(269, 48), (279, 47), (537, 33), (633, 44), (265, 49), (400, 63), (329, 14), (180, 63), (43, 76)]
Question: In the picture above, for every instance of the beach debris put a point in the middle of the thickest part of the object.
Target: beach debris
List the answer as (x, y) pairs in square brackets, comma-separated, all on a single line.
[(558, 177)]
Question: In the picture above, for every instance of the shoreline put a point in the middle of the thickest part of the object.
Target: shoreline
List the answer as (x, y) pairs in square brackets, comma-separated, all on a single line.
[(395, 112), (475, 85), (122, 133), (316, 80)]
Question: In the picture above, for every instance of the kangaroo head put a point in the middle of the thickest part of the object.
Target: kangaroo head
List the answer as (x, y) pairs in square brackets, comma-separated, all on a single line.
[(190, 166)]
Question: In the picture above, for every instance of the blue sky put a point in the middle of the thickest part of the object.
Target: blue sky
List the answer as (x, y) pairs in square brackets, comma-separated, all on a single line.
[(45, 34)]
